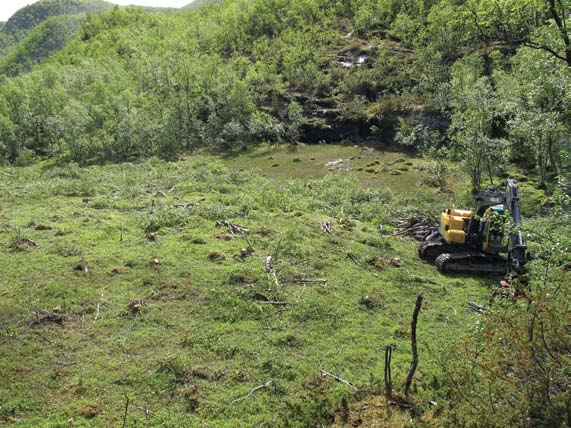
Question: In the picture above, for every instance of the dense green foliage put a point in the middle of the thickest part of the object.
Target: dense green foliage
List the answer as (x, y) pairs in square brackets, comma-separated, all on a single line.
[(239, 72)]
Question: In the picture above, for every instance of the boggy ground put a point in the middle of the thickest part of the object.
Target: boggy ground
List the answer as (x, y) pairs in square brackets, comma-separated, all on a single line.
[(121, 288)]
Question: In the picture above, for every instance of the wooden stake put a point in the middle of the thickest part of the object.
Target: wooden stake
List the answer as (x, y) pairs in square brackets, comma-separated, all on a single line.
[(126, 410), (388, 376), (414, 362)]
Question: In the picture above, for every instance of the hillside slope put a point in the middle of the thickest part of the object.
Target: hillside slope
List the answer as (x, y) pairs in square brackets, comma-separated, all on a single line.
[(25, 19), (40, 42), (30, 16), (197, 4)]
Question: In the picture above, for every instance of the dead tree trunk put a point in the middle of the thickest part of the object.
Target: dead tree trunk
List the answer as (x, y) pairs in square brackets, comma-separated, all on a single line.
[(414, 363)]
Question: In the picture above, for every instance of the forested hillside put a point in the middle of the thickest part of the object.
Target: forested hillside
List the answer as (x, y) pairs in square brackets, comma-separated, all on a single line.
[(485, 80), (207, 215)]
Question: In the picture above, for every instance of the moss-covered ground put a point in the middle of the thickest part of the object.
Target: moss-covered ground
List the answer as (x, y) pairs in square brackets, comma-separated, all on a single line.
[(136, 296)]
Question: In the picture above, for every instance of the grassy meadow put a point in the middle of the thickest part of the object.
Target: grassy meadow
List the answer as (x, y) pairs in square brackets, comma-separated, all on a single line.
[(124, 299)]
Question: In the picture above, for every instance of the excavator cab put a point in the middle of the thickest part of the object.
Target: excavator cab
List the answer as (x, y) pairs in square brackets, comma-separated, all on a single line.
[(492, 229)]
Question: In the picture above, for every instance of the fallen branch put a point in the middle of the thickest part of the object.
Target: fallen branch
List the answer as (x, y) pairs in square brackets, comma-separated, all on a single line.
[(273, 302), (338, 379), (305, 281), (477, 307), (326, 227), (401, 232), (254, 390), (400, 404), (352, 257), (148, 413), (233, 228), (184, 206)]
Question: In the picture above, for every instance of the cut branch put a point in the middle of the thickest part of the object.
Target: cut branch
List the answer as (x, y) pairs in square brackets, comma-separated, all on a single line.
[(414, 362), (355, 260), (338, 379), (477, 307), (254, 390), (326, 227), (399, 404), (305, 281), (147, 411), (233, 228)]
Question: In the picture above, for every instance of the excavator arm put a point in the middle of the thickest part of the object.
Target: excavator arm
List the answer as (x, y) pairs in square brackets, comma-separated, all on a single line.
[(494, 195), (516, 247)]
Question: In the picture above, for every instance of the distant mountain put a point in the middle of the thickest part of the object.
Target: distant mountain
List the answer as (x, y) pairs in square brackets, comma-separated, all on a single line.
[(37, 30), (197, 4), (28, 17), (40, 42), (158, 9)]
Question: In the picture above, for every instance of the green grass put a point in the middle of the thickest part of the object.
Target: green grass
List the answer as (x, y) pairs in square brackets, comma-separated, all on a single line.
[(373, 167), (73, 346)]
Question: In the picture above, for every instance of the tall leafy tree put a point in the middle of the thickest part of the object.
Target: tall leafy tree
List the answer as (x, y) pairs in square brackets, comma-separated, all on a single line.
[(473, 120), (536, 101)]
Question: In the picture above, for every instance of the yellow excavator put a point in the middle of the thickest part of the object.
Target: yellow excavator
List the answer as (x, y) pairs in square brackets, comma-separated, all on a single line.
[(480, 240)]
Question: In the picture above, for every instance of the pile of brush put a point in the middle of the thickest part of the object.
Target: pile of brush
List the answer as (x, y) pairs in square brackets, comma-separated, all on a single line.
[(419, 224)]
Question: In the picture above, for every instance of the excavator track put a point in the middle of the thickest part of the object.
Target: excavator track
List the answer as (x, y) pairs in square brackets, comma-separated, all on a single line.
[(465, 262), (430, 250)]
